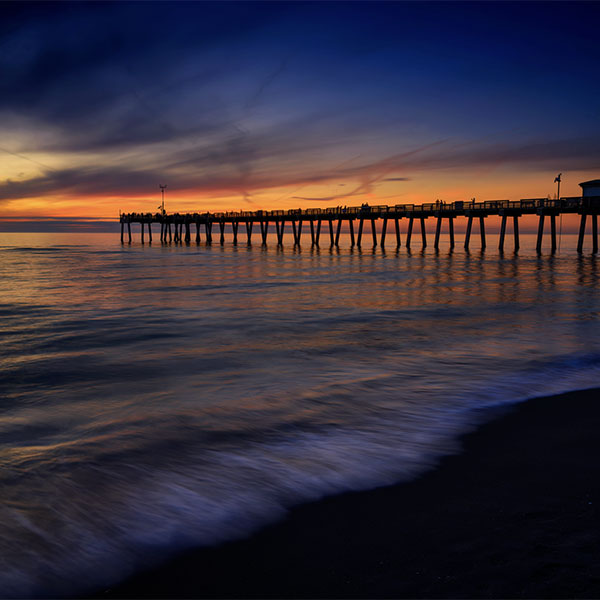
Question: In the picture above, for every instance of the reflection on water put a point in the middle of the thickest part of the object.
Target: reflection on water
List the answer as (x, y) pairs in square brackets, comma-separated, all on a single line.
[(155, 397)]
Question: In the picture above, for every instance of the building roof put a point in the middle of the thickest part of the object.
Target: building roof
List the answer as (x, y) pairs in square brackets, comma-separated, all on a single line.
[(592, 183)]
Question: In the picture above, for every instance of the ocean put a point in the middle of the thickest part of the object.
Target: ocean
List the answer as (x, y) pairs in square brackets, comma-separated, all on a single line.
[(158, 397)]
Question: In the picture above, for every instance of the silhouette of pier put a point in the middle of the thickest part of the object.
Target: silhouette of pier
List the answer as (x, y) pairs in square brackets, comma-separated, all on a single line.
[(178, 228)]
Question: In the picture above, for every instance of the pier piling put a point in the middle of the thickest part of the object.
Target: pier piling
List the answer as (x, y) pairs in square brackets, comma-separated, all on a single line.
[(502, 233), (383, 228), (423, 233), (264, 229), (280, 226), (438, 229), (581, 232), (409, 232), (468, 232), (331, 238), (337, 233), (540, 234), (297, 230), (482, 231)]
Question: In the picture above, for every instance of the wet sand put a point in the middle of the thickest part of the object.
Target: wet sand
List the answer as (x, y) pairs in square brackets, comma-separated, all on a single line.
[(515, 515)]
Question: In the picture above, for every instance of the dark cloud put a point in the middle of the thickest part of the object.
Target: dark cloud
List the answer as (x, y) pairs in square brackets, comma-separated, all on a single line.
[(246, 167)]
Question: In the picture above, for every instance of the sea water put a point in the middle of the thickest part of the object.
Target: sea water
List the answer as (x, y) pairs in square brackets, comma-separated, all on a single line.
[(158, 397)]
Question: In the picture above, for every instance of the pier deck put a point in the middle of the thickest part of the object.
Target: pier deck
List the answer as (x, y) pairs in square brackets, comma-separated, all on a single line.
[(177, 227)]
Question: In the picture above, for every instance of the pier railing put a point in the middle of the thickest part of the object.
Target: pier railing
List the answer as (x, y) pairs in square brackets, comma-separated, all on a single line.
[(543, 207)]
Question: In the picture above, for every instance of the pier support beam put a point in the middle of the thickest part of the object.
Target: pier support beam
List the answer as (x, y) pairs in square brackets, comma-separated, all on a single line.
[(264, 230), (383, 228), (331, 238), (516, 232), (249, 225), (297, 230), (553, 232), (540, 234), (129, 230), (312, 232), (438, 229), (581, 233), (360, 230), (337, 233), (188, 237), (397, 225), (222, 228), (318, 234), (197, 232), (149, 232), (170, 232), (162, 231), (482, 231), (423, 233), (234, 226), (280, 226), (502, 233), (208, 231), (374, 233), (351, 227), (142, 229), (594, 234), (409, 232), (468, 232), (122, 230)]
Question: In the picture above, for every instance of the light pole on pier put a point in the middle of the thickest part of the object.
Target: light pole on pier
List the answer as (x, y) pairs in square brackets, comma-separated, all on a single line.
[(557, 181), (162, 191)]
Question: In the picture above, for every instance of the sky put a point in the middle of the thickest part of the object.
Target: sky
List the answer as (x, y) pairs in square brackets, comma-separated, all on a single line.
[(246, 106)]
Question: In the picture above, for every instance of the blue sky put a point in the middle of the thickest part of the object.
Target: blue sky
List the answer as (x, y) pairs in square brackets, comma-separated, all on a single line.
[(261, 105)]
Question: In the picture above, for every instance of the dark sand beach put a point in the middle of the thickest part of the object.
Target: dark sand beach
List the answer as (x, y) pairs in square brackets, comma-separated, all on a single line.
[(515, 515)]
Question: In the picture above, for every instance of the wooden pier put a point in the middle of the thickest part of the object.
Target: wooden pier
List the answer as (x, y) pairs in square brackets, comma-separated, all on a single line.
[(178, 228)]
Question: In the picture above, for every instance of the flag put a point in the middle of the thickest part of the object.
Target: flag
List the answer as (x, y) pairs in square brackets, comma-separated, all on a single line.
[(557, 178)]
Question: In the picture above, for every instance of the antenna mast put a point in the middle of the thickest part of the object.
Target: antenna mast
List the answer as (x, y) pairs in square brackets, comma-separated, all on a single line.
[(162, 191)]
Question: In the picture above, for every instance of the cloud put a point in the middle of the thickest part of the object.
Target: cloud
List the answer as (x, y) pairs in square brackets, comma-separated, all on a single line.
[(246, 166)]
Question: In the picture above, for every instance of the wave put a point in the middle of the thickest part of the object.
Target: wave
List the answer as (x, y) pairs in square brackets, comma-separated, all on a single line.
[(79, 524)]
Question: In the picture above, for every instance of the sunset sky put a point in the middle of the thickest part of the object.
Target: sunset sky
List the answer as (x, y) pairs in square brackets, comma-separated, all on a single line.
[(286, 105)]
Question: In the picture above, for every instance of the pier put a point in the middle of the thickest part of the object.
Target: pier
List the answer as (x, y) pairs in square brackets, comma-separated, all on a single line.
[(361, 221)]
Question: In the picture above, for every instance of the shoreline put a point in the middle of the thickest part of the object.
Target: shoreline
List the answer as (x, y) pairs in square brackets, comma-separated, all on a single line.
[(515, 514)]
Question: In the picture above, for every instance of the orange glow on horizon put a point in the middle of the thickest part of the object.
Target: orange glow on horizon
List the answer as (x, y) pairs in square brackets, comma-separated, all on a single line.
[(445, 185)]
